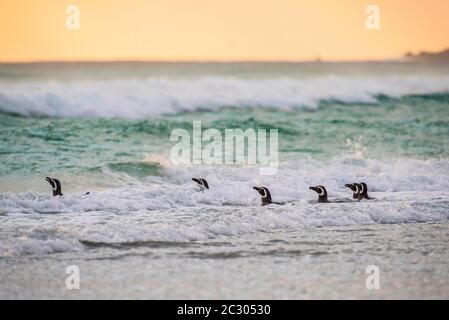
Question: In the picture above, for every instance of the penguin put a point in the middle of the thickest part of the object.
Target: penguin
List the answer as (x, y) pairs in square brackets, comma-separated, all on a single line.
[(355, 187), (360, 190), (202, 182), (266, 196), (322, 193), (363, 192), (55, 185)]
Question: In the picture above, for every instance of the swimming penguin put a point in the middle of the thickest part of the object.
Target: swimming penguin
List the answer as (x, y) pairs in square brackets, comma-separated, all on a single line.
[(355, 187), (266, 196), (55, 185), (363, 192), (322, 193), (202, 182), (360, 190)]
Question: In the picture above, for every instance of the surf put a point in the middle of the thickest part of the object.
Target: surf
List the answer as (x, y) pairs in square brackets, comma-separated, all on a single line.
[(157, 96)]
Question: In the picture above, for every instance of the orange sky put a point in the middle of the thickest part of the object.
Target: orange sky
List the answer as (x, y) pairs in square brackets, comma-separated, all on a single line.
[(33, 30)]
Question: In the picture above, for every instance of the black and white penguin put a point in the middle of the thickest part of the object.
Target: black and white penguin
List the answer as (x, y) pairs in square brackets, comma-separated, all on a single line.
[(355, 187), (322, 193), (202, 183), (363, 192), (55, 185), (360, 190), (266, 196)]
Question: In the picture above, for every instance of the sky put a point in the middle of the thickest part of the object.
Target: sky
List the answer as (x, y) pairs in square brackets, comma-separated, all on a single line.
[(222, 30)]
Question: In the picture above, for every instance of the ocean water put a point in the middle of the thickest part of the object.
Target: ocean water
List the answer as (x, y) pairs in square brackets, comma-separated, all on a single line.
[(146, 231)]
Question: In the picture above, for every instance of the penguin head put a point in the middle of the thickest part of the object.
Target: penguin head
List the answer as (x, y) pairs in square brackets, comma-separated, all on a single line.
[(202, 183), (55, 185), (351, 186), (265, 194), (322, 193), (263, 191), (355, 187)]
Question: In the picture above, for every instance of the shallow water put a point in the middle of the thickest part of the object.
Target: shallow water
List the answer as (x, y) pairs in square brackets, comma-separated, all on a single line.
[(146, 231), (312, 263)]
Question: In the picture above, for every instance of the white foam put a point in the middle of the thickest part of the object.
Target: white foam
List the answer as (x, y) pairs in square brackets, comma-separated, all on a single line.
[(26, 246), (232, 185), (171, 208), (155, 96), (70, 232)]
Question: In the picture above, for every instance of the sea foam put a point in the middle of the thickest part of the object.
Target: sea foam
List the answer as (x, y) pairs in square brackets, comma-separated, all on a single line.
[(151, 97)]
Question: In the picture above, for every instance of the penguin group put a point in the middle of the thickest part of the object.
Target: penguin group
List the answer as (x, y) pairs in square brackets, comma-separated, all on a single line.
[(359, 190)]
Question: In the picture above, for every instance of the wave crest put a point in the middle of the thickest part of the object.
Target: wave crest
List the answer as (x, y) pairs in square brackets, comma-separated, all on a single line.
[(156, 96)]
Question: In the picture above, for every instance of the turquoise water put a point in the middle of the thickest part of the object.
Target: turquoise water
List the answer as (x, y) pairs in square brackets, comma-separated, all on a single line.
[(105, 128), (414, 126)]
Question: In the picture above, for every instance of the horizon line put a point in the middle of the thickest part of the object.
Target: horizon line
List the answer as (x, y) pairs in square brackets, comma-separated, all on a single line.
[(132, 60), (317, 58)]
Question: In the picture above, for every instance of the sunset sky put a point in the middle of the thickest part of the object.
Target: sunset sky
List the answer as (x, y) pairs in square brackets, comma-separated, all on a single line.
[(34, 30)]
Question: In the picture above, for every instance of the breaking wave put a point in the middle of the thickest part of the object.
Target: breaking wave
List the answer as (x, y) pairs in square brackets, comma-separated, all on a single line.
[(151, 97), (171, 209)]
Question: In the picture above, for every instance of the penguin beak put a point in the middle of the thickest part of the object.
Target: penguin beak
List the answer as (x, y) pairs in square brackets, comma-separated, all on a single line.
[(313, 188), (257, 189)]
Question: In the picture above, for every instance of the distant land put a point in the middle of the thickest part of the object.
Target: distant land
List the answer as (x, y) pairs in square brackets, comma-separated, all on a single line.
[(423, 56), (442, 56)]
